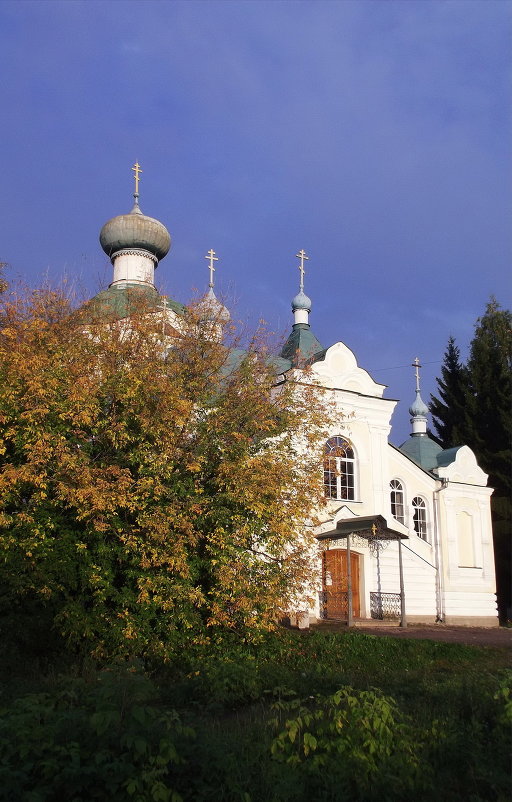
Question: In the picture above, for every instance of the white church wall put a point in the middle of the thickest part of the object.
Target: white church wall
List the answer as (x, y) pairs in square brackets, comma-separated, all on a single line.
[(419, 578), (458, 527), (415, 482), (468, 589)]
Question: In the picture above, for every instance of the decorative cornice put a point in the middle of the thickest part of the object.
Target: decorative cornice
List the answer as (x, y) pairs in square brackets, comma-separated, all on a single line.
[(134, 252)]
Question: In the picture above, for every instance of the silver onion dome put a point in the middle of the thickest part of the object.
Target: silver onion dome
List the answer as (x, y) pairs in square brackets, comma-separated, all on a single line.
[(135, 230)]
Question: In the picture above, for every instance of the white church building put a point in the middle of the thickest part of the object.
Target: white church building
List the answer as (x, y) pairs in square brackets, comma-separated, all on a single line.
[(407, 532)]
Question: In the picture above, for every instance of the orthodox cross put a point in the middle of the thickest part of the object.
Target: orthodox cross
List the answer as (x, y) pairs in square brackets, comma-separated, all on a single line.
[(136, 169), (302, 255), (374, 530), (211, 256), (416, 364)]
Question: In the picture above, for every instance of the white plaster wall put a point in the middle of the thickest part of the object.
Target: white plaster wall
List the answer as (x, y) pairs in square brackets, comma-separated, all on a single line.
[(364, 420), (468, 591), (419, 576)]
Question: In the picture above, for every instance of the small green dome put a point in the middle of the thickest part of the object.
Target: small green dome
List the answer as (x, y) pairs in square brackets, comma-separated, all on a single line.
[(135, 230)]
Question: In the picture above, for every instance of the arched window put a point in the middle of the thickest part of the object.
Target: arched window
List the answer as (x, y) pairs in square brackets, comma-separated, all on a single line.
[(419, 509), (339, 469), (397, 500)]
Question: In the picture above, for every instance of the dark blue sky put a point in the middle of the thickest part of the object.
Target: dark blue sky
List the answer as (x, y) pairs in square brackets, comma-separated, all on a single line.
[(375, 135)]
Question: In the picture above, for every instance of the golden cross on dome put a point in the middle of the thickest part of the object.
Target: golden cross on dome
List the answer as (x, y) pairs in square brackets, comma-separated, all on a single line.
[(136, 169), (212, 258), (416, 364), (302, 255), (374, 530)]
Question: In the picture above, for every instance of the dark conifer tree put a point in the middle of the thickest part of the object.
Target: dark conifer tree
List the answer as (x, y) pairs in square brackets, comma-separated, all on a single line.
[(490, 373), (475, 407), (449, 411)]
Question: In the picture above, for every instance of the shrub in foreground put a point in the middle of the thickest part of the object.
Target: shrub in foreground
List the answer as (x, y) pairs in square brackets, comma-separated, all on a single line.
[(105, 741)]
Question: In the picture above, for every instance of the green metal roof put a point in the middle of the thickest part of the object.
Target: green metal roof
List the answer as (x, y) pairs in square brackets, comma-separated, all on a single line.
[(237, 355), (233, 361), (280, 363), (422, 450), (447, 456), (119, 302), (301, 346), (363, 526)]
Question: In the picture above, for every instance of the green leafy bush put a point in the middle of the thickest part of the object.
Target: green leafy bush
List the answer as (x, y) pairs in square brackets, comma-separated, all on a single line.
[(109, 741), (356, 743), (439, 720)]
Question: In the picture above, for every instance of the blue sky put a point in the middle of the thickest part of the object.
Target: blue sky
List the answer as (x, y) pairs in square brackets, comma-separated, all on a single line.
[(375, 135)]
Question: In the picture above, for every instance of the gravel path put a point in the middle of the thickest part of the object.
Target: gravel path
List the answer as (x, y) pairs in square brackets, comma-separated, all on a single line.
[(500, 637)]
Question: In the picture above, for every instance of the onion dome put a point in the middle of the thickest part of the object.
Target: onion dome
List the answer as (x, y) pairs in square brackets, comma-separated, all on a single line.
[(418, 408), (301, 301), (135, 231)]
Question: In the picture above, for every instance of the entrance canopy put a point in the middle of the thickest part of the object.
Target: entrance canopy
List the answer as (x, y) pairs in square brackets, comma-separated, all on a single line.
[(375, 530), (369, 527)]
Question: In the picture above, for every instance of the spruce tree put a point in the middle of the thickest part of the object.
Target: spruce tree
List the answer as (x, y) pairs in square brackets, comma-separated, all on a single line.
[(490, 375), (475, 407), (449, 411)]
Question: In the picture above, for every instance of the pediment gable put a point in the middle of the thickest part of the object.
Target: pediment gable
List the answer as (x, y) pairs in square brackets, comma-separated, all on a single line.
[(339, 369), (463, 468)]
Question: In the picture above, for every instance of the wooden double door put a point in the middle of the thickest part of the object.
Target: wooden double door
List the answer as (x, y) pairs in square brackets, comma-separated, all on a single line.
[(335, 583)]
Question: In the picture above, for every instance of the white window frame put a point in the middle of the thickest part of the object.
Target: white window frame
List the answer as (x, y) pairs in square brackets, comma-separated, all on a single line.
[(340, 484), (420, 522), (393, 491)]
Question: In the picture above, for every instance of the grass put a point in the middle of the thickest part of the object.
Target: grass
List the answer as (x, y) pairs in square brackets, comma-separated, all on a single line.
[(329, 716)]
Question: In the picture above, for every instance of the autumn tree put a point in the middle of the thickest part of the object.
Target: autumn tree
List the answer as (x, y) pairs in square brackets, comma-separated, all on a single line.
[(151, 487)]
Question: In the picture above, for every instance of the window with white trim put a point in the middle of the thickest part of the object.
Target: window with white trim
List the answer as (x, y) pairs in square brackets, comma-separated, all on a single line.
[(397, 500), (419, 509), (339, 469)]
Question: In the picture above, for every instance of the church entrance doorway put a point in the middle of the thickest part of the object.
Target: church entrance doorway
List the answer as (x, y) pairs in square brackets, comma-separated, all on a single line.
[(335, 583)]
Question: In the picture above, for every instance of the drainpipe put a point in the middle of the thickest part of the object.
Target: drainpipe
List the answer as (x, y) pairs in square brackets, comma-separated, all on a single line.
[(403, 616), (437, 552), (350, 621)]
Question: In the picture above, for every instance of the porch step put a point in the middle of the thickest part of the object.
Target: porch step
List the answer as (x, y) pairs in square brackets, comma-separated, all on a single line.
[(332, 624)]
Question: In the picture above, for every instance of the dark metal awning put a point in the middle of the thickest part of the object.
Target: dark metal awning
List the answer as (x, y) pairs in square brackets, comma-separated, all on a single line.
[(371, 527)]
